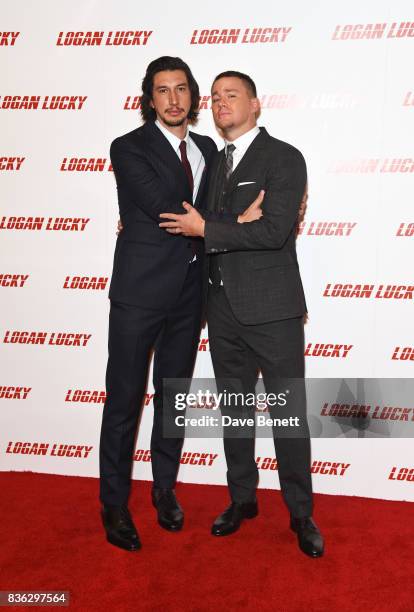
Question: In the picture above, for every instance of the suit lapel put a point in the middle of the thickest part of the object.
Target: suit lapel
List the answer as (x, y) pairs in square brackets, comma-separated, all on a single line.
[(205, 153), (248, 159), (201, 186), (215, 174), (161, 148)]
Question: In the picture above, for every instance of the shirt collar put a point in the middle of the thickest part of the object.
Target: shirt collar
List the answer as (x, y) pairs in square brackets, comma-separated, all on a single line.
[(172, 138), (245, 140)]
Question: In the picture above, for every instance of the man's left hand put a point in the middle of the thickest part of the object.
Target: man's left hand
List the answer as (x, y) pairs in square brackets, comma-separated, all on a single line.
[(191, 224)]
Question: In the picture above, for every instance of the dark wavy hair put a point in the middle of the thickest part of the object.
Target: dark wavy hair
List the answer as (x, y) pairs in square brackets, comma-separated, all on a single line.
[(168, 63), (248, 81)]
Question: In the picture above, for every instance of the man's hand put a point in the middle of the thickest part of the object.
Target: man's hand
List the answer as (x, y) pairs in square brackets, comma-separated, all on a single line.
[(191, 224), (254, 212)]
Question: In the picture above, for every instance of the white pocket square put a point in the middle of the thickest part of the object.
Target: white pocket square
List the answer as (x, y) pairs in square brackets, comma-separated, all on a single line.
[(247, 183)]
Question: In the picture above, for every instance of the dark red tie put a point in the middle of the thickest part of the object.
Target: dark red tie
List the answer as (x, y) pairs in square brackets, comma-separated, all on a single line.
[(186, 164)]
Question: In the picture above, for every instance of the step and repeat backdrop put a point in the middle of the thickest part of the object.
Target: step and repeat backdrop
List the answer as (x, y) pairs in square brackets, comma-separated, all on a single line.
[(334, 79)]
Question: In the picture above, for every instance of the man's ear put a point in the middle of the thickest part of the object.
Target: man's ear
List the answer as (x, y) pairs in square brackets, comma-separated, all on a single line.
[(255, 105), (151, 104)]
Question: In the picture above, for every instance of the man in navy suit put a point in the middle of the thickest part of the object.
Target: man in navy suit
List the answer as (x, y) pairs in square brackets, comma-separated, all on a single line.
[(156, 289)]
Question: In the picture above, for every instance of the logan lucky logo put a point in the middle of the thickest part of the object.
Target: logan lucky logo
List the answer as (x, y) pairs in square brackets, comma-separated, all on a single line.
[(85, 396), (14, 393), (313, 101), (233, 36), (96, 396), (74, 451), (281, 101), (8, 39), (87, 283), (387, 165), (325, 468), (401, 353), (368, 411), (203, 345), (359, 291), (42, 102), (402, 473), (11, 163), (277, 101), (374, 31), (13, 280), (51, 224), (405, 230), (187, 458), (85, 164), (326, 228), (336, 351), (100, 38), (44, 338), (132, 103), (409, 99)]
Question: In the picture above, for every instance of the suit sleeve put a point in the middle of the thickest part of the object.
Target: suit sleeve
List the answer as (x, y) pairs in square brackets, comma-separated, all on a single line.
[(135, 175), (285, 185), (211, 215)]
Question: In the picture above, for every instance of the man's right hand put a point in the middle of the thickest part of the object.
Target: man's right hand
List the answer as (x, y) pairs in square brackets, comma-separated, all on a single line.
[(254, 212)]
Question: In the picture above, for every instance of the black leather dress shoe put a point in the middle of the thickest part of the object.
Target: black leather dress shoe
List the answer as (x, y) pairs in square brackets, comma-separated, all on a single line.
[(229, 521), (119, 527), (170, 513), (309, 537)]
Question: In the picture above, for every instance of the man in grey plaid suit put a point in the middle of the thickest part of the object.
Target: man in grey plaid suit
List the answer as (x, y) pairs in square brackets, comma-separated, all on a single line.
[(256, 303)]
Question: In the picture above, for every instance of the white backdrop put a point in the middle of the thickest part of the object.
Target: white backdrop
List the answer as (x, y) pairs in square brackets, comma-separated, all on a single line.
[(334, 80)]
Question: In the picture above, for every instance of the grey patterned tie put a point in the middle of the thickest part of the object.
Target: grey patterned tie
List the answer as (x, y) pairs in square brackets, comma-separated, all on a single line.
[(228, 164)]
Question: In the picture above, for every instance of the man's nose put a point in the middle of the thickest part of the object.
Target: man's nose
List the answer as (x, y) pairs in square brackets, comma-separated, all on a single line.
[(173, 97)]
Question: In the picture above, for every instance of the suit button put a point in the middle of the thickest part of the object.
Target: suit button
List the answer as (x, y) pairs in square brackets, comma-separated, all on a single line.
[(189, 245)]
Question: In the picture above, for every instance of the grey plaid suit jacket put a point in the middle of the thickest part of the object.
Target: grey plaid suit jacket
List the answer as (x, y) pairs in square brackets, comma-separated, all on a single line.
[(259, 265)]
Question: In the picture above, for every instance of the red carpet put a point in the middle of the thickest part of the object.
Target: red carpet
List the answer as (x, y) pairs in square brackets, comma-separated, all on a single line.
[(52, 539)]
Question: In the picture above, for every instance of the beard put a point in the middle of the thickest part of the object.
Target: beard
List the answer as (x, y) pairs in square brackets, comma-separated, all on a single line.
[(175, 122)]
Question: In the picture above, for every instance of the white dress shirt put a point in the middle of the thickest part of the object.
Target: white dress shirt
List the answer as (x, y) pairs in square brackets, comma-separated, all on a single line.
[(242, 143), (195, 157)]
